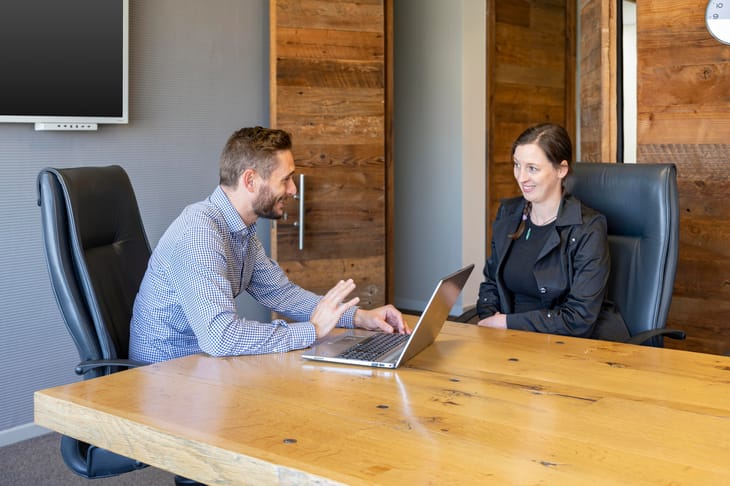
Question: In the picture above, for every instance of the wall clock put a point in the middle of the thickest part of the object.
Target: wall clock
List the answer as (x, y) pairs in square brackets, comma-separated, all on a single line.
[(717, 20)]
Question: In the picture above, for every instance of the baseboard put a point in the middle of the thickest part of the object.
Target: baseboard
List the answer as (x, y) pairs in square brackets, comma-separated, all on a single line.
[(20, 433)]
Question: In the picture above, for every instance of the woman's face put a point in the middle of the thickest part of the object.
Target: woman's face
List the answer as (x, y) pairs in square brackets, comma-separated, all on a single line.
[(538, 178)]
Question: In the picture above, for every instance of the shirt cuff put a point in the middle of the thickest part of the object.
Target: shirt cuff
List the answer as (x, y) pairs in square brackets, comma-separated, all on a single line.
[(302, 335), (348, 318), (517, 324)]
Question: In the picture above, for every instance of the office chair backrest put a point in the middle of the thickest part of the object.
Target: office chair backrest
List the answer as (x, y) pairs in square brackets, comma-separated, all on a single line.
[(97, 253), (641, 206)]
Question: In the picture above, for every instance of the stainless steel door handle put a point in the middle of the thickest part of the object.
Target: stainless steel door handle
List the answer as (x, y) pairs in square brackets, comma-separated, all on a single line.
[(300, 223)]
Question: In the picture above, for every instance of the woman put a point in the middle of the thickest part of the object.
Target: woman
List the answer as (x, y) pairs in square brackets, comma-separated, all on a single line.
[(549, 264)]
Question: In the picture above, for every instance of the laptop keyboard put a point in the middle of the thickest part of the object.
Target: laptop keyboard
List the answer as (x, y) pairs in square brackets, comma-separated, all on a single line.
[(374, 346)]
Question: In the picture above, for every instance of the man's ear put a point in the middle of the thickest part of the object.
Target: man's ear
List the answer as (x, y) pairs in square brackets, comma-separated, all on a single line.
[(248, 180)]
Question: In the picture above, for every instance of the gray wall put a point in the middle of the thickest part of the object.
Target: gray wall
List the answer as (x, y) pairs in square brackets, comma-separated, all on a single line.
[(439, 130), (198, 70)]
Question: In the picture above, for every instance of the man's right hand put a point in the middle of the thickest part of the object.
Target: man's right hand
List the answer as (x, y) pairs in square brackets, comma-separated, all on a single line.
[(330, 309)]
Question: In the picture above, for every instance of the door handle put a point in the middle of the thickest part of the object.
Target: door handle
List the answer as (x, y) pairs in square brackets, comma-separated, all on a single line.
[(300, 223)]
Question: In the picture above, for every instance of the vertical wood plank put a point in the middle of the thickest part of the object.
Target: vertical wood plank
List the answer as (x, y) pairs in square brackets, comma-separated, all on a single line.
[(598, 125)]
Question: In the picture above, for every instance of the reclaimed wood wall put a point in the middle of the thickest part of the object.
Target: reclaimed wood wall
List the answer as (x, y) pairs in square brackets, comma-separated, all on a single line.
[(684, 118), (598, 116), (530, 79)]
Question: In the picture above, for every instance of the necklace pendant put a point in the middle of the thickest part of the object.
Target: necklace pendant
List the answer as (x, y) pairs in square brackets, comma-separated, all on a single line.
[(527, 236)]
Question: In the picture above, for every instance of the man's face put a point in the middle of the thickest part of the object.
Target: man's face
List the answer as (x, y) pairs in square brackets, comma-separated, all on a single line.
[(274, 191)]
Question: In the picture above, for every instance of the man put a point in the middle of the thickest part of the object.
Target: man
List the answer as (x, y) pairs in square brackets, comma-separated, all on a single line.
[(210, 254)]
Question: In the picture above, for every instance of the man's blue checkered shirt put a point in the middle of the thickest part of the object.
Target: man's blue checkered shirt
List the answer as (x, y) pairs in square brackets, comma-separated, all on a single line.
[(186, 305)]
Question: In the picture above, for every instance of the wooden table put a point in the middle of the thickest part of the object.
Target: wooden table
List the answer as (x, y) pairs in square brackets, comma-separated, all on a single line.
[(478, 406)]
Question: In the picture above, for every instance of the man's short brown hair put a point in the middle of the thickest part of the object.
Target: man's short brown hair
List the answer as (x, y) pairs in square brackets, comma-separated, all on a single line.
[(251, 148)]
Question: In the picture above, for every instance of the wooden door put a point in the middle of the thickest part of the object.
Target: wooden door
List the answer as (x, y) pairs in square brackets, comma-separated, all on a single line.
[(329, 86)]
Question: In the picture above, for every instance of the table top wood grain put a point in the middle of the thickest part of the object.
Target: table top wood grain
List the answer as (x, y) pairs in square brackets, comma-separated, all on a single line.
[(479, 405)]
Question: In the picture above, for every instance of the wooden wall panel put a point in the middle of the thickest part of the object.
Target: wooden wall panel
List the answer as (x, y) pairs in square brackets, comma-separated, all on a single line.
[(684, 118), (531, 72), (598, 127)]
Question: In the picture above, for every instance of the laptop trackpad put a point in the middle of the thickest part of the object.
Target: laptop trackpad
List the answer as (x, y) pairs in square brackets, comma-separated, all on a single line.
[(333, 345)]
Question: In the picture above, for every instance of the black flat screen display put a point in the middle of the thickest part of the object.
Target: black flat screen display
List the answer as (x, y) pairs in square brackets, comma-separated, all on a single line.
[(62, 58)]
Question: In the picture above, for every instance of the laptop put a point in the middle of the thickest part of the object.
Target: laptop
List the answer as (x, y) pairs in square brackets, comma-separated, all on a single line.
[(347, 347)]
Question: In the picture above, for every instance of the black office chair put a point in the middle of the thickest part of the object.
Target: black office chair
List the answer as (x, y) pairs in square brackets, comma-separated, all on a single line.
[(97, 252), (641, 206)]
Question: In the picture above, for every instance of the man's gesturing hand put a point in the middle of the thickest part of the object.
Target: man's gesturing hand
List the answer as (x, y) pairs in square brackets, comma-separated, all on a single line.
[(329, 310)]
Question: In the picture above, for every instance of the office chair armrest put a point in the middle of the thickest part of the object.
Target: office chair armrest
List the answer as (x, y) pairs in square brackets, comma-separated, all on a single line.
[(646, 335), (86, 366), (467, 316)]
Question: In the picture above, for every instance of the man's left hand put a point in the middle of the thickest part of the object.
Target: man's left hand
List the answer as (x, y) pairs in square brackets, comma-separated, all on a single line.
[(386, 318)]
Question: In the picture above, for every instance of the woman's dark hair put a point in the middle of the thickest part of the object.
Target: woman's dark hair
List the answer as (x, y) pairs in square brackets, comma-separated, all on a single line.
[(555, 143), (552, 139)]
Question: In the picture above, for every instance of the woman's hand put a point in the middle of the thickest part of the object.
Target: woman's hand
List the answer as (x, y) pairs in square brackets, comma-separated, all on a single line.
[(497, 321)]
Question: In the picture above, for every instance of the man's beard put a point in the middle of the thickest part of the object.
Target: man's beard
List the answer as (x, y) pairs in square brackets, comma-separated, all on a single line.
[(265, 205)]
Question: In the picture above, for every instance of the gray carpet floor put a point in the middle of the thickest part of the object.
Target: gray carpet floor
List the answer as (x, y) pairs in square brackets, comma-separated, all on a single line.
[(37, 462)]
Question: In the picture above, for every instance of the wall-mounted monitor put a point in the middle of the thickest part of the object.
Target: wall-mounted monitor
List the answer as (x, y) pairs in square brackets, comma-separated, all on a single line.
[(64, 63)]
